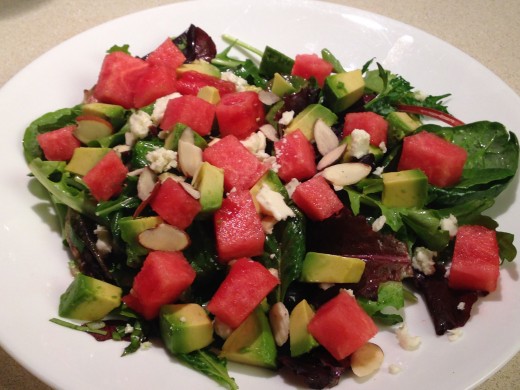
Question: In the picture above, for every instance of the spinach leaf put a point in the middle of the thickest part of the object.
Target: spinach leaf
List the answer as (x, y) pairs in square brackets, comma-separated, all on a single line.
[(506, 246), (206, 362), (389, 295), (47, 122)]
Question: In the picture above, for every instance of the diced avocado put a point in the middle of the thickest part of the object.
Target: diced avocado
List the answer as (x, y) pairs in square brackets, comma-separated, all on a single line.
[(325, 268), (209, 181), (172, 140), (130, 229), (111, 112), (405, 188), (400, 124), (185, 327), (252, 342), (273, 181), (281, 86), (200, 66), (342, 90), (209, 94), (306, 119), (274, 61), (84, 159), (377, 152), (89, 299), (301, 341)]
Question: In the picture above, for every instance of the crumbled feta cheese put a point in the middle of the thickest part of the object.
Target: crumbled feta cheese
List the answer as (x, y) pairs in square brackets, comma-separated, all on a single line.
[(146, 345), (129, 329), (291, 186), (383, 148), (461, 306), (272, 163), (378, 171), (360, 141), (407, 341), (272, 203), (450, 224), (348, 291), (422, 260), (104, 240), (234, 189), (337, 188), (378, 224), (162, 159), (256, 144), (140, 123), (160, 106), (241, 84), (454, 334), (394, 369), (130, 138), (287, 117)]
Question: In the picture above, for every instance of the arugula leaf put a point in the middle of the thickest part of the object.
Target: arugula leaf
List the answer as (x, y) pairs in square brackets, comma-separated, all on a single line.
[(206, 362), (327, 55), (389, 295), (506, 246)]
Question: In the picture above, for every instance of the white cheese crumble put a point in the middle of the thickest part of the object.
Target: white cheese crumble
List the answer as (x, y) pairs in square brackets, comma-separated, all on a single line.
[(378, 224), (378, 171), (407, 341), (162, 159), (272, 203), (461, 306), (241, 84), (394, 369), (256, 144), (287, 117), (146, 345), (450, 224), (360, 141), (140, 123), (160, 106), (129, 329), (104, 241), (454, 334), (422, 260), (291, 186), (383, 148)]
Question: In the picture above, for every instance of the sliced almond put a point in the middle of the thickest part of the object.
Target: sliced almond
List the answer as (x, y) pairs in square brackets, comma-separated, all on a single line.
[(146, 183), (366, 360), (331, 157), (268, 98), (168, 175), (326, 139), (270, 132), (190, 190), (346, 174), (164, 237), (189, 157), (187, 136)]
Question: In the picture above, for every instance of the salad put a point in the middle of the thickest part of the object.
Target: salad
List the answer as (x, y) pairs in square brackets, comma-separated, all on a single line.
[(272, 211)]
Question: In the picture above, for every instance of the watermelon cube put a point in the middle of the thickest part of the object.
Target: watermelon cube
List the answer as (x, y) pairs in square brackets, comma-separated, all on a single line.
[(296, 157), (310, 65), (241, 168), (476, 261), (161, 280), (246, 285), (190, 82), (442, 161), (168, 55), (174, 204), (341, 326), (106, 178), (192, 111), (316, 199), (375, 125), (240, 114), (118, 77), (238, 228), (157, 81), (59, 145)]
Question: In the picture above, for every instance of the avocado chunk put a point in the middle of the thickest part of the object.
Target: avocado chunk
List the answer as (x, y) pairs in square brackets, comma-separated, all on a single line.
[(209, 181), (209, 94), (185, 327), (172, 140), (405, 188), (131, 228), (342, 90), (89, 299), (281, 86), (325, 268), (200, 66), (84, 159), (273, 181), (111, 112), (306, 119), (400, 124), (301, 341), (252, 342), (274, 61)]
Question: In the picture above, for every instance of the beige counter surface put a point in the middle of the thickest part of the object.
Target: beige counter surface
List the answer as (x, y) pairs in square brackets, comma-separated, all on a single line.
[(489, 31)]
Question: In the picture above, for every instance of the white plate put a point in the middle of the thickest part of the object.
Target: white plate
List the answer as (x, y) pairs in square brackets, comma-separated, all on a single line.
[(34, 265)]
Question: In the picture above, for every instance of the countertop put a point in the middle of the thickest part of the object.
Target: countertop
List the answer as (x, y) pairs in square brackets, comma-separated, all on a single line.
[(486, 30)]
